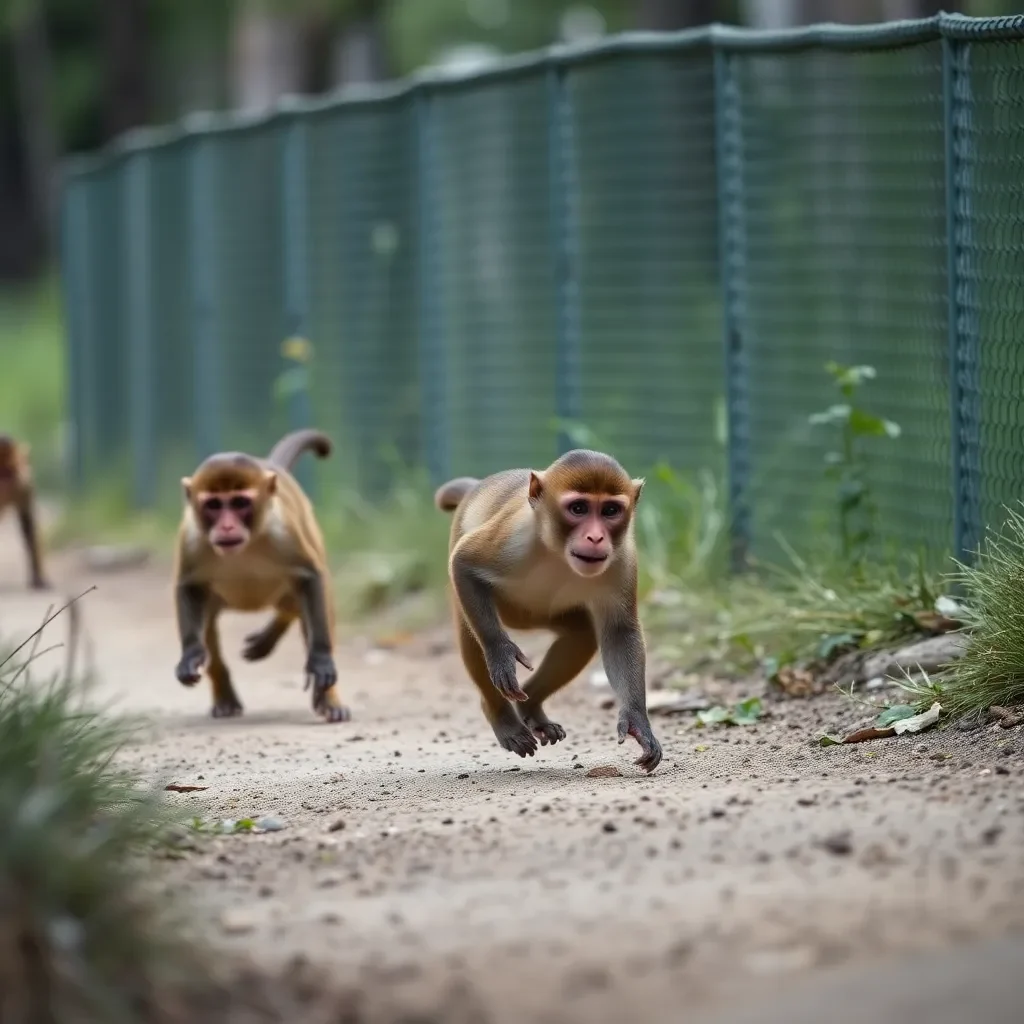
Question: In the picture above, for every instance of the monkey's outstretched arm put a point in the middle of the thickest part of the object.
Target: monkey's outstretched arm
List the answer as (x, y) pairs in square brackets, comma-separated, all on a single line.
[(191, 600), (320, 668), (476, 598), (624, 656)]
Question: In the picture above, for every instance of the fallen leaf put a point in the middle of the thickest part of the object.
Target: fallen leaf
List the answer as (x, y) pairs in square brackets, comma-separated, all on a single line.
[(827, 741), (603, 771), (935, 622), (894, 714), (671, 702), (389, 641), (870, 733), (175, 787), (919, 722)]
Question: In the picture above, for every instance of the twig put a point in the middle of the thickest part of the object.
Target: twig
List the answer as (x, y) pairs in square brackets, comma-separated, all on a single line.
[(49, 618)]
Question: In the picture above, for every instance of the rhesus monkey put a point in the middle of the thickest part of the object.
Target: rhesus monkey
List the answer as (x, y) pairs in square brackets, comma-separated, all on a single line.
[(16, 488), (249, 540), (550, 550)]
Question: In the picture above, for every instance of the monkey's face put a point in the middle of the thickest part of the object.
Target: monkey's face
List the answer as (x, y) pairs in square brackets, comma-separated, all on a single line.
[(227, 518), (593, 524)]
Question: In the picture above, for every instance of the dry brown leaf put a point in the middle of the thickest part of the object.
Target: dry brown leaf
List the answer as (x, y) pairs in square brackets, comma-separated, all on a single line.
[(603, 771), (870, 733)]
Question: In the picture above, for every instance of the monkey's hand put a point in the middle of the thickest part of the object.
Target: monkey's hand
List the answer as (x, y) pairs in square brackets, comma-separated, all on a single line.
[(501, 667), (191, 665), (636, 724), (321, 673)]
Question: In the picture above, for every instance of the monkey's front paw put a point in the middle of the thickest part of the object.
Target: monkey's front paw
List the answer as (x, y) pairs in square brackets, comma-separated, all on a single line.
[(226, 709), (190, 667), (501, 666), (632, 723), (327, 704), (544, 729), (321, 672)]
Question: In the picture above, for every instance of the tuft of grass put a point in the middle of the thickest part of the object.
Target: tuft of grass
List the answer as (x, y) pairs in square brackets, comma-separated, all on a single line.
[(787, 615), (82, 935), (991, 670)]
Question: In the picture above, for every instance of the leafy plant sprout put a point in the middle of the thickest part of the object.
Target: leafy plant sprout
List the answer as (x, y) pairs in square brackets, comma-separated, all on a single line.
[(857, 510)]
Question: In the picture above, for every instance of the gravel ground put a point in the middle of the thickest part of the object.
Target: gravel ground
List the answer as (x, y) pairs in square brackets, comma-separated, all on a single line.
[(419, 868)]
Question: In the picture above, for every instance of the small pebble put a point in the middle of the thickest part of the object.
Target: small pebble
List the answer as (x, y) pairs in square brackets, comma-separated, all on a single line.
[(609, 826), (604, 771), (270, 824)]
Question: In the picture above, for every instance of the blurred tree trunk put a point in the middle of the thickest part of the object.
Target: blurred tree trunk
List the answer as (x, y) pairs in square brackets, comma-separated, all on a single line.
[(360, 53), (126, 57), (39, 139), (267, 57), (671, 15)]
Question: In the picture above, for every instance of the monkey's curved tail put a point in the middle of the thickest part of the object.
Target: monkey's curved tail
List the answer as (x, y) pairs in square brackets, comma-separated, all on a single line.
[(292, 445), (448, 496)]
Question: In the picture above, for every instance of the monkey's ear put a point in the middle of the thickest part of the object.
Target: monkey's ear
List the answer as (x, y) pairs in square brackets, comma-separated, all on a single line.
[(186, 486), (270, 482), (536, 487), (638, 486)]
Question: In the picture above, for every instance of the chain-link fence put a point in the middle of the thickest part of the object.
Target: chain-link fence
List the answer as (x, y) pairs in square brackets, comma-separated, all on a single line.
[(660, 239)]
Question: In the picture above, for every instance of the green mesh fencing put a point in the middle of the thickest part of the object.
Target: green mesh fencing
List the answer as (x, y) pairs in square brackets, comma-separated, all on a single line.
[(844, 213), (654, 245)]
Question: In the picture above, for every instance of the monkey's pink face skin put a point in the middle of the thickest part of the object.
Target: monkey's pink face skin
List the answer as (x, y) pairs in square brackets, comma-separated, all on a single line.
[(227, 518), (593, 521)]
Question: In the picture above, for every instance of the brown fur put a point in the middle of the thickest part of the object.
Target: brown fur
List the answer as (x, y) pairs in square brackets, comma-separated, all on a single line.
[(18, 491), (283, 556), (513, 564)]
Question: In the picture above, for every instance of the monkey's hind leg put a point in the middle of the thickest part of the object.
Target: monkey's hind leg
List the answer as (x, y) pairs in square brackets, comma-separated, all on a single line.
[(225, 701), (575, 644), (260, 644), (27, 524), (510, 732)]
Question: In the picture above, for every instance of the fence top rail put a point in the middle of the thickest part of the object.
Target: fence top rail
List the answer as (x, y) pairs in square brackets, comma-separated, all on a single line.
[(729, 38)]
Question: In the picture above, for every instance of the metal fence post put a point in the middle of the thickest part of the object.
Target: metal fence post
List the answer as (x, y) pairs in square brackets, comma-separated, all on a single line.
[(563, 194), (295, 200), (433, 405), (732, 263), (206, 390), (138, 230), (964, 353), (80, 354)]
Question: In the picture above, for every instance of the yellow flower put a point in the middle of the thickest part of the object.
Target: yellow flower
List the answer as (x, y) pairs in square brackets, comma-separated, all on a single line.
[(299, 350)]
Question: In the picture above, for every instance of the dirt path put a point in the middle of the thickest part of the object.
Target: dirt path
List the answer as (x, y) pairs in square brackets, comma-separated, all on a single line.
[(758, 878)]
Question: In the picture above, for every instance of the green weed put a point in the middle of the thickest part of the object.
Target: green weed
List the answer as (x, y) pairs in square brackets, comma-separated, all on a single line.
[(83, 935), (991, 671), (846, 466)]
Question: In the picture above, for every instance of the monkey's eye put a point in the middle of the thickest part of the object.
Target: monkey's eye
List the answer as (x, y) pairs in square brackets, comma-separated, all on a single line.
[(611, 510), (577, 508), (213, 505), (240, 503)]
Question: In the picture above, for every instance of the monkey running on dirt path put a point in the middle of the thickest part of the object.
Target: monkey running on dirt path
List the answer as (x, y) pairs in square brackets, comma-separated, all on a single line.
[(249, 540), (549, 550), (16, 488)]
